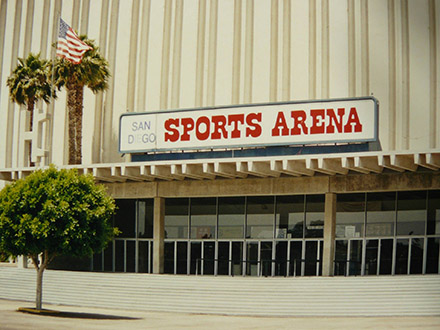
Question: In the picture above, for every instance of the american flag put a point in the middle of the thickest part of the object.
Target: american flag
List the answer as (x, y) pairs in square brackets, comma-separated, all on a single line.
[(69, 45)]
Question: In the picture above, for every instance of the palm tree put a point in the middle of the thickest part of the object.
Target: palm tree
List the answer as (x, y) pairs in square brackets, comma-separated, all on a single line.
[(29, 82), (92, 72)]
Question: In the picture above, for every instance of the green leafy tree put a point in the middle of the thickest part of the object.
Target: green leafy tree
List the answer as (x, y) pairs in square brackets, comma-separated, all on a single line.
[(54, 212), (92, 72), (30, 82)]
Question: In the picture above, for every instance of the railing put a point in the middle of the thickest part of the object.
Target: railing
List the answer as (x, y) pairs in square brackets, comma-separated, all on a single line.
[(349, 267), (264, 267)]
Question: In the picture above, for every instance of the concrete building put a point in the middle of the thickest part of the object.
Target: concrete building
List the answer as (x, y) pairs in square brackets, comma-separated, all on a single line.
[(293, 208)]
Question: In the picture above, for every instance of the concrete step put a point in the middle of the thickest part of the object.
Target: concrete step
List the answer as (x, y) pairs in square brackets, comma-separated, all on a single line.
[(319, 296)]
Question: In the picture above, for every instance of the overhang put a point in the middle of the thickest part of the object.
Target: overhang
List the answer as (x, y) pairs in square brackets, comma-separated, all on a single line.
[(275, 166)]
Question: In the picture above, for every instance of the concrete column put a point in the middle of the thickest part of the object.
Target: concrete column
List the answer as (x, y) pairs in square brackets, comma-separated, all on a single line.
[(22, 262), (158, 235), (329, 234)]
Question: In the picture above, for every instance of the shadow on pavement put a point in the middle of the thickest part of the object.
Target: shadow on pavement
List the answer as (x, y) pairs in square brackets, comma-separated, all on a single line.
[(74, 315)]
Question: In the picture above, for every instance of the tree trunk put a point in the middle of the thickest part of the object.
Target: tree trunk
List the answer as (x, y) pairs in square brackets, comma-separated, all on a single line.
[(39, 296), (40, 267), (75, 109), (30, 108)]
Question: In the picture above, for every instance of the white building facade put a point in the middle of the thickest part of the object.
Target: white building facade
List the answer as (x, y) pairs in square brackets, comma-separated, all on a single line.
[(333, 209)]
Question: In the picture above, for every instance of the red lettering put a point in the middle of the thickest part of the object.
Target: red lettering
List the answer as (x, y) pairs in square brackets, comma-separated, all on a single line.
[(236, 133), (202, 135), (256, 130), (173, 136), (219, 127), (353, 119), (188, 125), (280, 124), (333, 120), (317, 121), (299, 119)]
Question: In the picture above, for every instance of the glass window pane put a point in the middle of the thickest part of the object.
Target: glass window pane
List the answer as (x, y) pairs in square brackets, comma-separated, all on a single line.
[(381, 213), (434, 212), (311, 257), (296, 262), (411, 213), (203, 217), (145, 218), (169, 257), (252, 258), (371, 257), (315, 205), (341, 247), (209, 258), (281, 258), (266, 259), (350, 214), (143, 260), (176, 218), (386, 256), (231, 215), (130, 256), (108, 258), (289, 217), (182, 257), (119, 256), (432, 255), (237, 258), (355, 257), (125, 217), (223, 258), (260, 217), (402, 256), (416, 265), (196, 255)]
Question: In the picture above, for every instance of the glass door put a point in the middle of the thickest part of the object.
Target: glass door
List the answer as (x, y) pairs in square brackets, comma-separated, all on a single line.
[(237, 259), (266, 259), (355, 261), (252, 259), (223, 265)]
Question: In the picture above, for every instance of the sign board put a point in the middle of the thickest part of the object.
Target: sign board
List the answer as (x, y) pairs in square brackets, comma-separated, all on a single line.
[(295, 123)]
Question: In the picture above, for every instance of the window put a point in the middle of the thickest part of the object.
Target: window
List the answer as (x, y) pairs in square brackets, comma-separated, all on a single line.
[(433, 212), (411, 213), (176, 218), (231, 215), (381, 214), (289, 217), (315, 205), (350, 215), (260, 217), (145, 218), (125, 218), (203, 217)]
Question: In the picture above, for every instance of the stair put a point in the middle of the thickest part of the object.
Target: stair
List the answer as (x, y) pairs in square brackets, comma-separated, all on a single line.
[(272, 296)]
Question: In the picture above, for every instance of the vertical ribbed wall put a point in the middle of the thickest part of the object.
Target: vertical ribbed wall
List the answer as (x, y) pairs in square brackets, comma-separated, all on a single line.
[(193, 53)]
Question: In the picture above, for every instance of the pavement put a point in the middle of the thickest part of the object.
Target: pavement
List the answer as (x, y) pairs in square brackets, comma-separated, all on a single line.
[(73, 317)]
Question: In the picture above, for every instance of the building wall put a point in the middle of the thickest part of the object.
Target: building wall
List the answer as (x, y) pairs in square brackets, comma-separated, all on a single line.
[(195, 53)]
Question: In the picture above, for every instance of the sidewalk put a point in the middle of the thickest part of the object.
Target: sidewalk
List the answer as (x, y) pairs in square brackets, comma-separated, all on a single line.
[(99, 318)]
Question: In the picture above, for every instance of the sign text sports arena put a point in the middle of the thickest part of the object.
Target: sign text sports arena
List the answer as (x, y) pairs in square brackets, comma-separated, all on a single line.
[(314, 122)]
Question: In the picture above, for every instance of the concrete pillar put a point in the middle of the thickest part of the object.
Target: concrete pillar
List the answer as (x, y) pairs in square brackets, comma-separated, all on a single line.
[(329, 234), (158, 235), (22, 262)]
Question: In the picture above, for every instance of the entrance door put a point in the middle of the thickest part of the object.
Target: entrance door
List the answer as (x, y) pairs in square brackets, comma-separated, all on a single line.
[(252, 259), (223, 265)]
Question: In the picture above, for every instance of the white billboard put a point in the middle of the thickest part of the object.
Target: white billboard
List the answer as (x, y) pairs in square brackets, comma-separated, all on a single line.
[(294, 123)]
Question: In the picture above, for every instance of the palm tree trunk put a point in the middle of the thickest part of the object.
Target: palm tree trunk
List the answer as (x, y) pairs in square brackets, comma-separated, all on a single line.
[(75, 108), (30, 108)]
